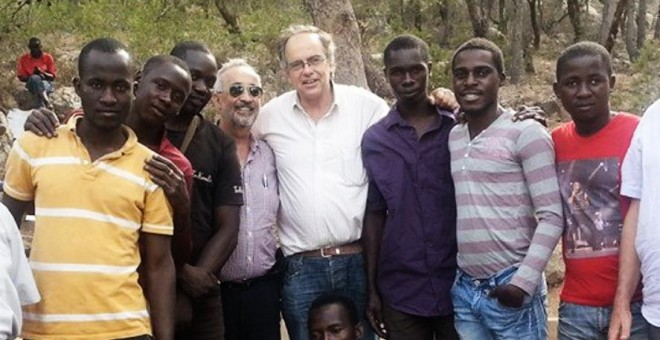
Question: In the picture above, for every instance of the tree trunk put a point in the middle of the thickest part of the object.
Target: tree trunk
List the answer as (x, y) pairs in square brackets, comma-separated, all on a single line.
[(230, 18), (516, 70), (337, 17), (616, 23), (502, 17), (376, 78), (534, 22), (576, 18), (656, 34), (641, 24), (608, 16), (478, 18), (631, 31)]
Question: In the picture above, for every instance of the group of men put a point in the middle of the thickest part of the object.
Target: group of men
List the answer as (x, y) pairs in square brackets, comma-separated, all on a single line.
[(411, 219)]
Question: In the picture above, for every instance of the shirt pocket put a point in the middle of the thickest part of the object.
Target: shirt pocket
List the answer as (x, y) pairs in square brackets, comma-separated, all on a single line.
[(351, 167)]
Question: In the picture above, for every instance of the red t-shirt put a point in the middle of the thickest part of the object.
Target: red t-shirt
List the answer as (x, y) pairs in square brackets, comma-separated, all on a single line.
[(589, 174), (26, 64)]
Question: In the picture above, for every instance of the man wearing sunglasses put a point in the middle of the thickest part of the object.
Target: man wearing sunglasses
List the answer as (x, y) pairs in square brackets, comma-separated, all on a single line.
[(250, 278), (315, 132)]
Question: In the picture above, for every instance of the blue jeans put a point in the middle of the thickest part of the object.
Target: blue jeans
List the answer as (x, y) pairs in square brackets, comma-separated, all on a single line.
[(578, 322), (480, 317), (307, 278), (37, 86)]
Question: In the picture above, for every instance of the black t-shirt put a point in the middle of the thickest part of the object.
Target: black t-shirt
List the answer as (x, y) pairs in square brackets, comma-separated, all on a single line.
[(217, 178)]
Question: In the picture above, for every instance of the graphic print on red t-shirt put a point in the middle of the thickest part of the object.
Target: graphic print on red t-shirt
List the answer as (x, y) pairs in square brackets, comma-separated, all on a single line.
[(590, 188)]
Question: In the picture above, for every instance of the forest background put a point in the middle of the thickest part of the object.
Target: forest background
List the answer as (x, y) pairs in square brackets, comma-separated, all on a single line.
[(531, 33)]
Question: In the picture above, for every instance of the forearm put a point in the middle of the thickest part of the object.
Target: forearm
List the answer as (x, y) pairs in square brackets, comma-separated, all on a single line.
[(538, 167), (182, 238), (543, 242), (16, 207), (224, 240), (371, 238), (161, 294), (629, 265)]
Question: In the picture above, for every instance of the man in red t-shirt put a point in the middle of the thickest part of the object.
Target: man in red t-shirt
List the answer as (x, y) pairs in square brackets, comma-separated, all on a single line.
[(37, 70), (589, 152)]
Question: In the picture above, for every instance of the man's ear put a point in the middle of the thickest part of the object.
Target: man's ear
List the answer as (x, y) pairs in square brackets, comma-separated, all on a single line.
[(555, 88), (76, 85), (502, 79), (612, 82)]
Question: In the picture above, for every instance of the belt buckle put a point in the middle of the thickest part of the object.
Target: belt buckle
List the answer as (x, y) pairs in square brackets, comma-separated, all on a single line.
[(327, 256)]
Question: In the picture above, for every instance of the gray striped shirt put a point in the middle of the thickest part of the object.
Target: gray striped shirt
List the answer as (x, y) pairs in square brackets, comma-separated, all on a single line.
[(508, 201)]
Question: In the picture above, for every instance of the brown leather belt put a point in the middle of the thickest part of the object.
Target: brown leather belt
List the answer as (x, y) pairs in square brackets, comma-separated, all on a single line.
[(346, 249)]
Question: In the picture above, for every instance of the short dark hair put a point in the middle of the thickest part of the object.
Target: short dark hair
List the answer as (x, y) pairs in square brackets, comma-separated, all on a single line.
[(405, 42), (105, 45), (482, 44), (582, 49), (160, 59), (332, 299), (184, 47), (34, 41)]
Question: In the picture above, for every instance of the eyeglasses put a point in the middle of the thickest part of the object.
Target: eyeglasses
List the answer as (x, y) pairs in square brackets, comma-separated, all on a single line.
[(313, 61), (237, 90)]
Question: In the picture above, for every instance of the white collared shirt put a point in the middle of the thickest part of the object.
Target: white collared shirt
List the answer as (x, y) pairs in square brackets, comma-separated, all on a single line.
[(639, 177), (17, 287), (323, 185)]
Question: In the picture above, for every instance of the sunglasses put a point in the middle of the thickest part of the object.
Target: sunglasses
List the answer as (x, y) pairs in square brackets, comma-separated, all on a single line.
[(237, 90)]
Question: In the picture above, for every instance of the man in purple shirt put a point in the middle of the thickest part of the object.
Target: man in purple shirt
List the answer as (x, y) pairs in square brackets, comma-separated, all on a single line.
[(410, 224)]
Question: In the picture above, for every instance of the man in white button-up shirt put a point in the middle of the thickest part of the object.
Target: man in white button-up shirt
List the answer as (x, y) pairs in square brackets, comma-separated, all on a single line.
[(315, 132), (639, 253)]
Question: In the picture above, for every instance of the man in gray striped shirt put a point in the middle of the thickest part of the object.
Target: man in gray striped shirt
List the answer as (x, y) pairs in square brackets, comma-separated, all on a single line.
[(509, 215)]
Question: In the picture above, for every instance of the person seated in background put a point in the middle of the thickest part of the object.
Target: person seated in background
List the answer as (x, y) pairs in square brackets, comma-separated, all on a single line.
[(334, 317), (37, 70)]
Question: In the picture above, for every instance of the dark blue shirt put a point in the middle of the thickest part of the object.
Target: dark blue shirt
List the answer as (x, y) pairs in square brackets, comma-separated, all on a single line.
[(410, 178)]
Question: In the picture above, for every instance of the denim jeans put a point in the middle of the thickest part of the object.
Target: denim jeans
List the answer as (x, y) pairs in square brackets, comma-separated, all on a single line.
[(578, 322), (480, 317), (37, 86), (653, 331), (307, 278)]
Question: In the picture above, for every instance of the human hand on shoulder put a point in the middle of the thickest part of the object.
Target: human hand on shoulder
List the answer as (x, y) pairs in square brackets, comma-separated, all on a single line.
[(530, 112), (444, 99), (42, 122), (169, 177)]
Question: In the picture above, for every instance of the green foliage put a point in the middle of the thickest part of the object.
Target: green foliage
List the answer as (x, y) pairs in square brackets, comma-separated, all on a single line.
[(645, 85), (147, 29)]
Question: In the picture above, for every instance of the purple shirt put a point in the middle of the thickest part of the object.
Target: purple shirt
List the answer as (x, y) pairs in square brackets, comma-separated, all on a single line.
[(411, 179), (255, 252)]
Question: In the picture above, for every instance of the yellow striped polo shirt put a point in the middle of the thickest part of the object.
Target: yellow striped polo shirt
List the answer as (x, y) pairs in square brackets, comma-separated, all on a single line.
[(89, 216)]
